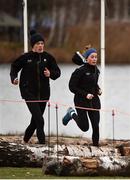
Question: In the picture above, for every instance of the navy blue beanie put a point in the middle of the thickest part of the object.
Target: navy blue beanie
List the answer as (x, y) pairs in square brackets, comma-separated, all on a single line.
[(88, 52), (35, 37)]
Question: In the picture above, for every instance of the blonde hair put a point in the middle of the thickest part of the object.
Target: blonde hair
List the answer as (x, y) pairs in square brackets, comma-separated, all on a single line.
[(87, 47)]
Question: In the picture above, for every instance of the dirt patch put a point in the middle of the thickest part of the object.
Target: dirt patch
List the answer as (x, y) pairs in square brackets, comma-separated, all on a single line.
[(65, 140)]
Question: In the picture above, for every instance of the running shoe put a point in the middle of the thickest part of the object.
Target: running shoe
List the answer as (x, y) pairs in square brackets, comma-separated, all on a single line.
[(68, 116)]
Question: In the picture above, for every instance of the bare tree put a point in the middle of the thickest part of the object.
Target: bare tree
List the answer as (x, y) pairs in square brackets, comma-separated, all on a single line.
[(54, 16), (116, 10), (126, 14)]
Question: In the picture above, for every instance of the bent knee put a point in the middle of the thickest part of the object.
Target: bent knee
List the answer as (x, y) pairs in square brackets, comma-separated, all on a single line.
[(84, 129)]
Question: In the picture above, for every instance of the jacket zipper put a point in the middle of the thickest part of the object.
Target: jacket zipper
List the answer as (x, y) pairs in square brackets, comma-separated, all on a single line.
[(38, 76), (91, 101)]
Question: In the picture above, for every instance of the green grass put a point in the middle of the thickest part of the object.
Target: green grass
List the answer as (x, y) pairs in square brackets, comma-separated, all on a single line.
[(36, 173), (21, 173)]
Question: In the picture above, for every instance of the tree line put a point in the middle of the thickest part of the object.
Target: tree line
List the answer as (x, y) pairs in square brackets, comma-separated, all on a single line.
[(69, 25), (56, 17)]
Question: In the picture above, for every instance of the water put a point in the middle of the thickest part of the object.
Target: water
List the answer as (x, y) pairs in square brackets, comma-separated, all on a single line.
[(14, 116)]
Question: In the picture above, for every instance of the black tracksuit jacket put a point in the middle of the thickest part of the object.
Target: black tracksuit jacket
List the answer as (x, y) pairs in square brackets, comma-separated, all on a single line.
[(83, 81), (33, 83)]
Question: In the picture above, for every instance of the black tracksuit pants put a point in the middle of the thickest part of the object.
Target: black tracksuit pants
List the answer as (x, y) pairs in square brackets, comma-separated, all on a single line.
[(81, 119), (37, 121)]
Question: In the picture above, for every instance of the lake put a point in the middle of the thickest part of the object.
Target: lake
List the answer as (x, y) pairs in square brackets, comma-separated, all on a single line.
[(14, 115)]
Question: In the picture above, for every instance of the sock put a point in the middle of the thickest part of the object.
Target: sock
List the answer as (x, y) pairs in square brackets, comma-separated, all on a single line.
[(72, 113)]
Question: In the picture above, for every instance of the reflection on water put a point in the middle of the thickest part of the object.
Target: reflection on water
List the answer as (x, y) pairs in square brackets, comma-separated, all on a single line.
[(14, 116)]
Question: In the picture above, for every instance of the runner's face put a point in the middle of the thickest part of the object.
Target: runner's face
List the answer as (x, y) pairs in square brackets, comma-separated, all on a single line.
[(92, 59), (38, 47)]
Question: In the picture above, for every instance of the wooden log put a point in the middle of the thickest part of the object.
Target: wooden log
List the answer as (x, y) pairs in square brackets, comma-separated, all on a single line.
[(68, 159), (17, 155), (94, 166), (89, 160)]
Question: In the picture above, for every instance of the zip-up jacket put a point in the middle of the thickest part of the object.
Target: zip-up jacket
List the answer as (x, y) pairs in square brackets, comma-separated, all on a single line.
[(33, 83), (83, 81)]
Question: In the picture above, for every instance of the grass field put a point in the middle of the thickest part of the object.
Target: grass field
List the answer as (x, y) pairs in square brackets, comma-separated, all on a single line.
[(23, 173), (36, 173)]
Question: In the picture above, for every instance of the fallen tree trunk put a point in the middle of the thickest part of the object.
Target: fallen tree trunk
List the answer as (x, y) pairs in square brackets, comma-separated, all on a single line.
[(94, 166), (68, 159), (17, 155), (89, 160)]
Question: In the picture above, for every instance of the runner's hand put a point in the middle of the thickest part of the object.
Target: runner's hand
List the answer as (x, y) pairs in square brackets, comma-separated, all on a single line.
[(99, 92), (89, 96), (46, 72), (15, 81)]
